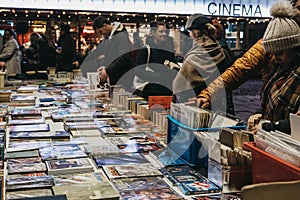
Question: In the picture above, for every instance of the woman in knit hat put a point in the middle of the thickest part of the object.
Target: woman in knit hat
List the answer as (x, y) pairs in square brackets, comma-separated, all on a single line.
[(281, 94)]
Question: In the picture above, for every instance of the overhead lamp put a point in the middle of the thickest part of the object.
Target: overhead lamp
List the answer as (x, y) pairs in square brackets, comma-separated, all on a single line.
[(63, 12)]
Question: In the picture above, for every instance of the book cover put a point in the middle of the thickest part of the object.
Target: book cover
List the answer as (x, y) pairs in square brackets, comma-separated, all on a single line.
[(49, 197), (130, 170), (23, 145), (141, 183), (102, 190), (22, 154), (157, 194), (25, 165), (61, 152), (40, 135), (101, 150), (78, 178), (23, 112), (29, 182), (67, 166), (28, 193), (85, 133), (40, 120), (120, 159), (29, 128), (190, 181)]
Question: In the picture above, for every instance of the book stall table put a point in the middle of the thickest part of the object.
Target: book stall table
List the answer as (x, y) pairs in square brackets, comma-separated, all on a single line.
[(82, 143)]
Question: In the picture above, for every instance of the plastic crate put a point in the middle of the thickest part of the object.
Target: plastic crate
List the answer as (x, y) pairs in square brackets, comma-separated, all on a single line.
[(183, 141), (269, 168)]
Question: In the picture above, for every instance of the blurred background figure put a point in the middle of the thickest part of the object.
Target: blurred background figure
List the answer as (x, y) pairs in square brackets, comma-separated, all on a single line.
[(66, 49), (48, 49), (10, 56), (32, 55)]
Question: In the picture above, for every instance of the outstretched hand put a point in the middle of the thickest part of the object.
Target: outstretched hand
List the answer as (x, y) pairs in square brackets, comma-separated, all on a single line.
[(203, 102)]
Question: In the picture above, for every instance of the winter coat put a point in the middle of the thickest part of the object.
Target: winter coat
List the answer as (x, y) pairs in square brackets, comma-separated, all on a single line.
[(200, 67), (11, 55), (254, 61)]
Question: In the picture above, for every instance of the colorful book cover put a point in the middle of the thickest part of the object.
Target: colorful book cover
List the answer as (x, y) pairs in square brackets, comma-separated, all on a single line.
[(78, 178), (131, 170), (39, 135), (65, 166), (26, 182), (157, 194), (120, 159), (29, 128), (25, 165), (23, 145), (141, 183), (190, 181)]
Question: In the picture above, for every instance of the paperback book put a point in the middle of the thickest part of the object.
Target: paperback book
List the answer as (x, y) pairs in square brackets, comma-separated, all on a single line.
[(131, 170), (68, 166)]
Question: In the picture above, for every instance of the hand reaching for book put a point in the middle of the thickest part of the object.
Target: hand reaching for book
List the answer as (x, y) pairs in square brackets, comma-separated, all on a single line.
[(253, 122)]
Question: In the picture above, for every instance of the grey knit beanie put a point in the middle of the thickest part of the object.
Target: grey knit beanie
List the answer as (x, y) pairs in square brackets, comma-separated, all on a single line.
[(283, 32)]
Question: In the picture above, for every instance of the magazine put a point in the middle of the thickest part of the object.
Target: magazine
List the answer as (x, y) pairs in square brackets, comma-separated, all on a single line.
[(67, 166), (130, 170)]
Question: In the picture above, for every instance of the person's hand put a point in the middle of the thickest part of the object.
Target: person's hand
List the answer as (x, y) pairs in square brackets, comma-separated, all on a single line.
[(253, 122), (76, 63), (2, 64), (103, 74), (298, 113), (203, 102)]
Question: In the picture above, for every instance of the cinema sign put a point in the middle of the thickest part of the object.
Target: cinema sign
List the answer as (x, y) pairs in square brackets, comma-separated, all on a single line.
[(236, 10)]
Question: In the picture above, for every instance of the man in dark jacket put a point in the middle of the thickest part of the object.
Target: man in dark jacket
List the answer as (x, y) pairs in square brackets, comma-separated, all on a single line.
[(113, 52), (67, 53)]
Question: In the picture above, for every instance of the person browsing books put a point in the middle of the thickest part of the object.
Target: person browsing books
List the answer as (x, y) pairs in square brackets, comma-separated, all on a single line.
[(280, 95)]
